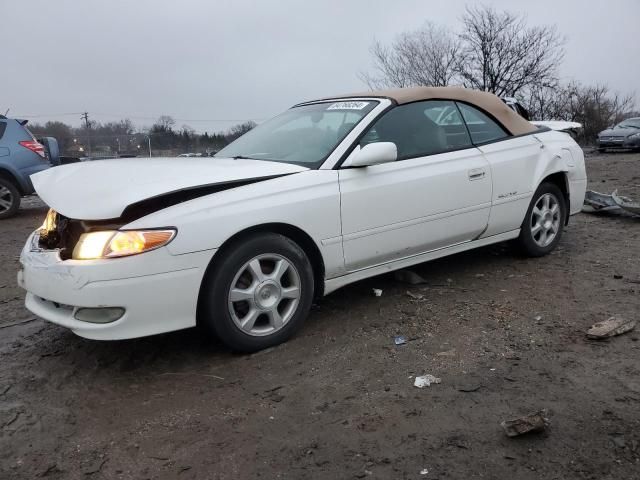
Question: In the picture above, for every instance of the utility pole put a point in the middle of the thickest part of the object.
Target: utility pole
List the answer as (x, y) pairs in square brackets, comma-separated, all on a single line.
[(85, 117)]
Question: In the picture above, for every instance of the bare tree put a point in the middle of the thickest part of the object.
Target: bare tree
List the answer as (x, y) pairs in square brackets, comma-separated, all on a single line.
[(502, 55), (165, 122), (595, 107), (426, 56)]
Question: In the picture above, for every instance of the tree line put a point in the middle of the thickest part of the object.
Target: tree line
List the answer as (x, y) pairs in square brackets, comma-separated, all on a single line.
[(122, 137), (498, 52)]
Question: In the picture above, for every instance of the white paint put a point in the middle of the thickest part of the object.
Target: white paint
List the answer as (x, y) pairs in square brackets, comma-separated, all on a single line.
[(102, 189), (364, 221)]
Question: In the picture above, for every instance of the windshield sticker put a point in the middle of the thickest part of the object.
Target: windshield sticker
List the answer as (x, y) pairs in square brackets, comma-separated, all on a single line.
[(348, 106)]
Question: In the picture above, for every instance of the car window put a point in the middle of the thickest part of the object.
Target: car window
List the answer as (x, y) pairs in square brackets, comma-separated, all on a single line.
[(3, 127), (421, 128), (304, 135), (481, 127)]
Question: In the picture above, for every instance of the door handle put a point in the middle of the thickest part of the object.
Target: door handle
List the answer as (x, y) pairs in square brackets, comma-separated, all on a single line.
[(476, 174)]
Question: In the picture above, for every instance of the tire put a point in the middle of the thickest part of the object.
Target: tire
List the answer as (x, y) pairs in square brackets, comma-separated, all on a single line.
[(543, 224), (9, 199), (259, 294)]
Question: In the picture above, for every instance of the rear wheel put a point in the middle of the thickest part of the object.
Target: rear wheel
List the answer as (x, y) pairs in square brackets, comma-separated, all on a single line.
[(9, 199), (259, 294), (542, 227)]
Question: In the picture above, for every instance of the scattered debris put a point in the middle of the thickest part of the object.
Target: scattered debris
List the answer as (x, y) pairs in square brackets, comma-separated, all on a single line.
[(407, 276), (415, 296), (617, 276), (447, 353), (377, 292), (596, 202), (537, 318), (534, 422), (400, 340), (610, 328), (425, 381), (472, 387), (19, 322), (626, 203), (424, 471)]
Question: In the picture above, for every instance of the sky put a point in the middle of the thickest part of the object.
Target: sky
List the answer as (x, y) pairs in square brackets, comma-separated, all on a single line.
[(211, 64)]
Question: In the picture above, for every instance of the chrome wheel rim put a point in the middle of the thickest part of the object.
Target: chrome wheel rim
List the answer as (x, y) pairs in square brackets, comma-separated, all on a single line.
[(264, 294), (545, 220), (6, 199)]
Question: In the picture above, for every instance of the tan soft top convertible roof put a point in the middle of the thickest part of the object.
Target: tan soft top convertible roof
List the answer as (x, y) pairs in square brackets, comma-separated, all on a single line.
[(488, 102)]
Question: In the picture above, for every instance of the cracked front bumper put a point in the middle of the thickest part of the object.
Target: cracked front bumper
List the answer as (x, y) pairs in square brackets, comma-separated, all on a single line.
[(157, 290)]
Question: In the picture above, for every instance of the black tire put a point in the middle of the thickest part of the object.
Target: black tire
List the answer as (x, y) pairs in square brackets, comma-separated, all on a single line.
[(10, 195), (530, 243), (215, 313)]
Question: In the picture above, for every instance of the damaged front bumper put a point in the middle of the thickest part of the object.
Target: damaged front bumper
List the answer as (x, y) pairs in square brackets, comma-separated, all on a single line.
[(113, 299), (595, 202)]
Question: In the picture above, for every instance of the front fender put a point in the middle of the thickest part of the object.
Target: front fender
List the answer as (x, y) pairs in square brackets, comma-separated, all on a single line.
[(309, 201)]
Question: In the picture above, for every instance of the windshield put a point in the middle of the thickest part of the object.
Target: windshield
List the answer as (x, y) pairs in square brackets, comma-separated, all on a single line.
[(630, 123), (304, 135)]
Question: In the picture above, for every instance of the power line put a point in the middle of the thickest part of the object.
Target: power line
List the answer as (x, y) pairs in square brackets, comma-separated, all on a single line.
[(142, 117)]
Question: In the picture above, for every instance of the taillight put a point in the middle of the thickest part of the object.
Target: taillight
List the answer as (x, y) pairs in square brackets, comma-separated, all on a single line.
[(35, 147)]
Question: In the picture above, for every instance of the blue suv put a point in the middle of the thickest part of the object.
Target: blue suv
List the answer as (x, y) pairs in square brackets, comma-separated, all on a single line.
[(21, 155)]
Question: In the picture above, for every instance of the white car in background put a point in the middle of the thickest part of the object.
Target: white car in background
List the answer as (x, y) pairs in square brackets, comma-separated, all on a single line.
[(329, 192)]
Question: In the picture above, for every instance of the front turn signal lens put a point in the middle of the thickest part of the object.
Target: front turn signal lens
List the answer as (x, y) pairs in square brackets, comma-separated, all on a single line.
[(120, 243)]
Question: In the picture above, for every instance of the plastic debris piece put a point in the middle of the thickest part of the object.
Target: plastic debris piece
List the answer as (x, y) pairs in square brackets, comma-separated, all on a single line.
[(425, 381), (595, 202), (534, 422), (415, 296), (424, 471), (407, 276), (377, 292), (400, 340), (626, 203), (610, 328)]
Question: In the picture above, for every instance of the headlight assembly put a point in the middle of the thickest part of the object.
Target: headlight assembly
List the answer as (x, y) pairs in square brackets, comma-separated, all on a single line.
[(120, 243)]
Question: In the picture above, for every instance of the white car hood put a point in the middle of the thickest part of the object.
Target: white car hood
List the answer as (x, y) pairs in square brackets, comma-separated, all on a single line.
[(102, 189), (559, 125)]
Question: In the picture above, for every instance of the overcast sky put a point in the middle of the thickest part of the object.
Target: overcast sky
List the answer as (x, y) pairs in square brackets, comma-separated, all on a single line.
[(212, 63)]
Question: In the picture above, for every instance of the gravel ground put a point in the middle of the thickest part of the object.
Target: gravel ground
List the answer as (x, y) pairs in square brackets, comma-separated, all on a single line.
[(505, 334)]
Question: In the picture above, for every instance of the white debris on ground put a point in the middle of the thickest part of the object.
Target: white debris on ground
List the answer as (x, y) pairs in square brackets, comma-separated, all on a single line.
[(426, 381), (611, 327)]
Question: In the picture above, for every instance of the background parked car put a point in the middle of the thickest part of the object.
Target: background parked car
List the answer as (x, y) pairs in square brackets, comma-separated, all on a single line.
[(21, 155), (626, 134)]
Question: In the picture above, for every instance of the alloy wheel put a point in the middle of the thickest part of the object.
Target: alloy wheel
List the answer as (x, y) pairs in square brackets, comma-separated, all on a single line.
[(264, 294), (6, 199), (545, 220)]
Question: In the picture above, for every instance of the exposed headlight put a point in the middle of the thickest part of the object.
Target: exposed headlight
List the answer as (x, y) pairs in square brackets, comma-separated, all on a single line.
[(634, 136), (120, 243)]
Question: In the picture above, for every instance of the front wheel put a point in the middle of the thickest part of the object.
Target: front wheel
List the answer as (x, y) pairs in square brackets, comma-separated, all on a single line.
[(259, 293), (9, 199), (543, 224)]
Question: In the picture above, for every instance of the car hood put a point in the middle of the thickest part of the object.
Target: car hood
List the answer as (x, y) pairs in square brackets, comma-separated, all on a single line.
[(103, 189), (618, 132)]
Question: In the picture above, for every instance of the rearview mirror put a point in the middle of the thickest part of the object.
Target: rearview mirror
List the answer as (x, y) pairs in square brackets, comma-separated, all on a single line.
[(372, 154)]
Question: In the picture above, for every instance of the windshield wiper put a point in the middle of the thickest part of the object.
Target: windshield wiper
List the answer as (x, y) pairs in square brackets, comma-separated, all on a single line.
[(242, 157)]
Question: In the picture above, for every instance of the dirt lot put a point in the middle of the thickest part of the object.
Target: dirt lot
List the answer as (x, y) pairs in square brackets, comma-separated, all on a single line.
[(505, 334)]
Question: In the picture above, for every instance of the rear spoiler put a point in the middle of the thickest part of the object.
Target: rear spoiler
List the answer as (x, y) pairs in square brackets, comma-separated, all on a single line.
[(558, 125), (22, 122)]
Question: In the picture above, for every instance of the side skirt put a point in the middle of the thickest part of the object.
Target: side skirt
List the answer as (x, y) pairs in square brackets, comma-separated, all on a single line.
[(333, 284)]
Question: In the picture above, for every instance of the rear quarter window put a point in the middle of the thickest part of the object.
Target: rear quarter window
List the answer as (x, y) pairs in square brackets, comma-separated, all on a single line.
[(3, 127)]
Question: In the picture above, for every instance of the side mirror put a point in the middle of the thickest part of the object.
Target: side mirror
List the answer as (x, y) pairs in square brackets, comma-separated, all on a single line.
[(372, 154)]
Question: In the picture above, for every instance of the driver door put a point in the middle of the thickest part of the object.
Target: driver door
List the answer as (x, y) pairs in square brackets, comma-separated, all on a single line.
[(437, 194)]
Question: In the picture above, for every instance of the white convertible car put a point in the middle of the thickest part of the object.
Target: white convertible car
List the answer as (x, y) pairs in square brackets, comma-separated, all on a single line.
[(329, 192)]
